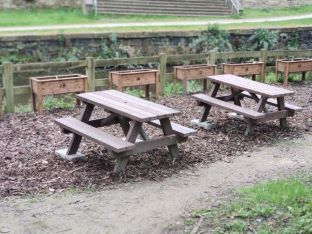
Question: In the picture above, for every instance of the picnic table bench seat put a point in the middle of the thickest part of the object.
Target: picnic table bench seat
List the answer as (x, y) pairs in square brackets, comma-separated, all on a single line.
[(202, 98), (176, 128), (109, 141), (273, 102)]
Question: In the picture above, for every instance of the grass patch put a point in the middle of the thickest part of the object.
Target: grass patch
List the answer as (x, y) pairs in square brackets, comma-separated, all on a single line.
[(287, 23), (281, 206), (49, 103), (271, 12), (33, 17)]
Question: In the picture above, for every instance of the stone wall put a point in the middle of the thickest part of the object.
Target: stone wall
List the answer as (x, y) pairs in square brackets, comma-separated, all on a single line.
[(48, 48), (274, 3), (17, 4)]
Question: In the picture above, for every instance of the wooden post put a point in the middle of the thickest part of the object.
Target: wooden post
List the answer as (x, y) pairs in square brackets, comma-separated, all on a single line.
[(263, 59), (162, 73), (8, 85), (90, 72), (212, 58)]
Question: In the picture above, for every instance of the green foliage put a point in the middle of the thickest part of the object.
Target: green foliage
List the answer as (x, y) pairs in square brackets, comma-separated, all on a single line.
[(66, 102), (293, 41), (192, 86), (111, 49), (264, 39), (213, 38), (281, 206), (49, 103), (135, 92), (23, 108)]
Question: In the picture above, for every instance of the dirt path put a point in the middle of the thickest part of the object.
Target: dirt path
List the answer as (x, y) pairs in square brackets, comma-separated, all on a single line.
[(148, 207)]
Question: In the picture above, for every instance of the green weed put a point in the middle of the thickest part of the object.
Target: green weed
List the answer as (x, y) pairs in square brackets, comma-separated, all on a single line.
[(279, 206)]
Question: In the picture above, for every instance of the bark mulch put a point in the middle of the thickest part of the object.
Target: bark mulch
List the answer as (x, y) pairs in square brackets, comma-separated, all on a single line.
[(28, 142)]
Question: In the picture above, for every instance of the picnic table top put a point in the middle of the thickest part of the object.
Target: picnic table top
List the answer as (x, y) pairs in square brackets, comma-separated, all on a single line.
[(128, 106), (250, 85)]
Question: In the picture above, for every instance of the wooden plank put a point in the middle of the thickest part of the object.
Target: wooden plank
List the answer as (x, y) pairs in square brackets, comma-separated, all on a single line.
[(23, 89), (116, 107), (128, 106), (140, 103), (274, 115), (8, 86), (228, 106), (162, 73), (250, 85), (232, 55), (177, 128), (109, 141), (90, 72), (289, 53), (183, 57), (273, 102), (126, 61), (51, 65), (149, 145)]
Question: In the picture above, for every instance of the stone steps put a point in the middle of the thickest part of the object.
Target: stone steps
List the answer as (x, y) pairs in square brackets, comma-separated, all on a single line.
[(164, 7)]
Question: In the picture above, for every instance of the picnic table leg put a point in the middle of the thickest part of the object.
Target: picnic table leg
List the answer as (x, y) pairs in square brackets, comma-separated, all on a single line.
[(250, 126), (205, 114), (132, 135), (261, 104), (205, 85), (184, 84), (281, 107), (125, 125), (303, 75), (255, 97), (75, 142), (207, 108), (167, 130), (253, 77), (236, 93), (147, 91), (285, 76)]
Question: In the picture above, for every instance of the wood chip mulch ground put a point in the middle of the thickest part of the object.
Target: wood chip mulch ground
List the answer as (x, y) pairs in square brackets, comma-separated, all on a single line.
[(28, 142)]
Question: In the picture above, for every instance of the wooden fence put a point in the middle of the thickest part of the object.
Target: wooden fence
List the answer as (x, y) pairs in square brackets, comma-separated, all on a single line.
[(8, 70)]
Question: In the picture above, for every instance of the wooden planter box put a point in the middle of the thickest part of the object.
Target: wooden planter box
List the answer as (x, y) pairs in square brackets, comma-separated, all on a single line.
[(288, 66), (50, 85), (129, 78), (193, 72), (245, 69)]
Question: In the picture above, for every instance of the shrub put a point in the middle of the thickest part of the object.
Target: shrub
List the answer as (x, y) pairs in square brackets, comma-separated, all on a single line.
[(212, 39), (264, 39)]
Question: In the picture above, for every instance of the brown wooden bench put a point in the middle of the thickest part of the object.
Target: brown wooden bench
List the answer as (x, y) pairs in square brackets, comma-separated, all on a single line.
[(290, 107), (250, 116), (228, 106), (177, 128), (110, 142)]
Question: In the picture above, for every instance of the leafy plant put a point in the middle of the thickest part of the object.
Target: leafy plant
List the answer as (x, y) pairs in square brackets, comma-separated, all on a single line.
[(111, 49), (51, 102), (213, 39), (264, 39), (293, 41), (23, 108)]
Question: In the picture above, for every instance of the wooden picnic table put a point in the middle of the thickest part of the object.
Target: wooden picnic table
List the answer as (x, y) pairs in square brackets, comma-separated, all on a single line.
[(131, 113), (262, 94)]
